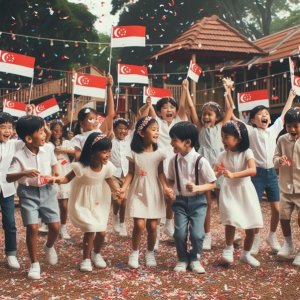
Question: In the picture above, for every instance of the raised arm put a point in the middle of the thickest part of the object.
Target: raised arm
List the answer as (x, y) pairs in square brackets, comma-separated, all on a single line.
[(288, 103), (147, 109), (181, 109), (229, 105)]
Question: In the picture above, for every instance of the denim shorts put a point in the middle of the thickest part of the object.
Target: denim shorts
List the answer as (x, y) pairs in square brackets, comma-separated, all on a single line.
[(266, 180), (38, 202)]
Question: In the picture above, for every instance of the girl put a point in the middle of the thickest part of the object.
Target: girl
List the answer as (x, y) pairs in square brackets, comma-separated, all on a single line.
[(239, 206), (62, 150), (90, 196), (145, 196), (210, 142)]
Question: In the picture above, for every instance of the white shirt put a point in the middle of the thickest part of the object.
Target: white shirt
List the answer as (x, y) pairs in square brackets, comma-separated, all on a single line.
[(7, 151), (263, 143), (186, 172), (79, 139), (43, 161)]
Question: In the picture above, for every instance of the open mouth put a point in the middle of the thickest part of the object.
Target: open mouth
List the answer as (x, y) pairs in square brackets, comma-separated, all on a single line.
[(264, 121), (169, 115)]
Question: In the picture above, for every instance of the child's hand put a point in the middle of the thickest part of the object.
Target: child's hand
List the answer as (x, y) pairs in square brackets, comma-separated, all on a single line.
[(228, 83), (228, 174), (285, 161), (110, 81), (120, 195), (30, 109), (219, 168), (191, 187), (169, 193), (185, 84), (31, 173), (148, 101), (47, 130), (292, 93)]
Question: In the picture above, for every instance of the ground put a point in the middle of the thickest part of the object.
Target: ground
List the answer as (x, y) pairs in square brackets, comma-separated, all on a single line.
[(273, 280)]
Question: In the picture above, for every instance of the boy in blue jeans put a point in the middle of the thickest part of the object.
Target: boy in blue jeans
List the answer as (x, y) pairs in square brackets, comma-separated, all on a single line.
[(32, 167), (191, 175)]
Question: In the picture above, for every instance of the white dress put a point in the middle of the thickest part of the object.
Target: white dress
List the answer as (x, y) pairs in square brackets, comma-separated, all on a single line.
[(145, 195), (90, 198), (239, 205)]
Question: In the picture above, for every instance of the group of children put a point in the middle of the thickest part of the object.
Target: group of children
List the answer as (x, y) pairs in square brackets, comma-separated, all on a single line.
[(153, 174)]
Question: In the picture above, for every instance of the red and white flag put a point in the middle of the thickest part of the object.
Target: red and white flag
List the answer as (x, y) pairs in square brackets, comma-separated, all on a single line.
[(194, 71), (47, 108), (155, 94), (248, 100), (128, 36), (90, 85), (132, 74), (18, 64), (295, 80), (15, 108)]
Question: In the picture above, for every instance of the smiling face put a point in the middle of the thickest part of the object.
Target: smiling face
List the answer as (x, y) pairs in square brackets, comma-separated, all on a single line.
[(150, 134), (208, 118), (179, 146), (261, 119), (57, 131), (89, 123), (6, 130), (37, 139), (167, 112), (100, 158), (293, 129), (230, 141), (121, 131)]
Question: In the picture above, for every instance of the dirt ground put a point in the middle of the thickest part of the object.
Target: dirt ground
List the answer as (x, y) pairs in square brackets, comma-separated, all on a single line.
[(273, 280)]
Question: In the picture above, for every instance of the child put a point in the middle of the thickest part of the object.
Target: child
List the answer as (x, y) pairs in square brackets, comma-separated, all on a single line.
[(145, 196), (87, 121), (120, 149), (62, 150), (210, 144), (30, 167), (90, 196), (239, 206), (192, 176), (287, 159)]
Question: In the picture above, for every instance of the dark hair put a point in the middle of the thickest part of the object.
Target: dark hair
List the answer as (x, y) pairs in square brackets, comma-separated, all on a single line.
[(161, 102), (119, 121), (255, 110), (238, 130), (52, 126), (81, 116), (215, 107), (6, 118), (96, 142), (185, 131), (137, 143), (28, 125), (292, 115)]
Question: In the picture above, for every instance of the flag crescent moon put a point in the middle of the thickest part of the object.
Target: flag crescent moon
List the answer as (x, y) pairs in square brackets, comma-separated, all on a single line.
[(39, 108), (116, 32), (123, 69), (9, 104), (4, 57), (297, 81), (243, 98), (79, 79)]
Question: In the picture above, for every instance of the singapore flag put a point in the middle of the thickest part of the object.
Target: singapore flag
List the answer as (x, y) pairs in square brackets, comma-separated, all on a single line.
[(248, 100), (132, 74), (295, 80), (18, 64), (15, 108), (155, 94), (128, 36), (90, 85), (47, 108), (194, 71)]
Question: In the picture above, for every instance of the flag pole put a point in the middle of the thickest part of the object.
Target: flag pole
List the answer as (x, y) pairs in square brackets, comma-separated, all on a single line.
[(110, 52), (30, 89), (72, 99)]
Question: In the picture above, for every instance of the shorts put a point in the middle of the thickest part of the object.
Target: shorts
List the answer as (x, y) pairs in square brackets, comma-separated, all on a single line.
[(118, 181), (266, 180), (38, 202), (288, 202)]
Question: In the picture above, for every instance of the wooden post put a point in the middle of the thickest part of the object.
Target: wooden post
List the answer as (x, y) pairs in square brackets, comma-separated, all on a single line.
[(164, 72), (193, 83), (126, 104)]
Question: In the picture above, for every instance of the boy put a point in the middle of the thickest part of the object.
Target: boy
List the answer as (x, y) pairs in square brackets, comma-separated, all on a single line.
[(31, 167), (287, 159), (192, 176)]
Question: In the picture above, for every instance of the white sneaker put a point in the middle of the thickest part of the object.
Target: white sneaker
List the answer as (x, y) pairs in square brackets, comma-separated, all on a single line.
[(116, 223), (197, 267), (296, 261), (256, 244), (86, 265), (123, 230), (12, 262), (43, 228), (227, 256), (133, 261), (150, 259), (34, 271), (207, 242), (157, 238), (250, 260), (64, 233), (169, 228), (98, 260), (273, 242), (51, 255), (181, 266), (286, 251)]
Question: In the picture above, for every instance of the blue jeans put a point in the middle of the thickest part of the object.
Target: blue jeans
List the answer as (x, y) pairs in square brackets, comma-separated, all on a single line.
[(189, 215), (9, 225)]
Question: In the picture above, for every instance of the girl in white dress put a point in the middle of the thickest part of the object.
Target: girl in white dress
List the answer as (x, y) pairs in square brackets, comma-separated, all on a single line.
[(239, 205), (146, 203), (90, 196)]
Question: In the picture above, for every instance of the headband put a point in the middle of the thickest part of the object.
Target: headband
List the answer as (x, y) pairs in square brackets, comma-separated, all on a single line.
[(120, 119), (98, 138), (144, 123), (211, 103)]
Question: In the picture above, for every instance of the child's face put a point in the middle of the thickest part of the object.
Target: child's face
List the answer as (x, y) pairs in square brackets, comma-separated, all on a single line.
[(150, 135), (101, 157), (6, 130), (293, 129), (179, 146), (208, 118), (121, 131), (70, 135), (57, 131), (167, 112), (261, 119), (38, 138), (90, 122), (229, 141)]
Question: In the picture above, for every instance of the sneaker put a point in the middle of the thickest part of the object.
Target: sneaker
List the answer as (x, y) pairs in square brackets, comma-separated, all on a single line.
[(181, 266), (150, 259), (169, 228), (273, 242), (86, 265), (34, 271), (197, 267), (123, 230), (207, 242), (296, 261), (98, 260), (286, 251), (133, 261), (12, 262), (116, 223), (64, 233), (43, 228), (227, 256), (51, 255), (250, 260), (157, 238), (256, 244)]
